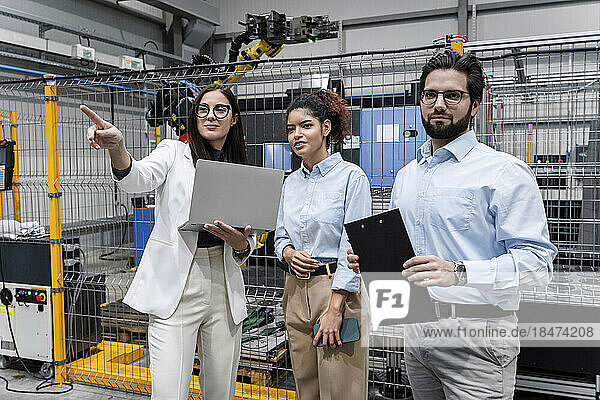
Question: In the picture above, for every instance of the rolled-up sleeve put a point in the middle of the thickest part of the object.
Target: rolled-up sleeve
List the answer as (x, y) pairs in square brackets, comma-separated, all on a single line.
[(357, 206), (281, 237), (522, 229)]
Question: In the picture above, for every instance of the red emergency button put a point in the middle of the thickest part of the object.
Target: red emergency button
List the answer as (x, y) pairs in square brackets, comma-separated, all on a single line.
[(41, 297)]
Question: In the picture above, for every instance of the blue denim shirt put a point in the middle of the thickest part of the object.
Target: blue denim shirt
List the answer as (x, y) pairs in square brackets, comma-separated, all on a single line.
[(471, 203), (313, 209)]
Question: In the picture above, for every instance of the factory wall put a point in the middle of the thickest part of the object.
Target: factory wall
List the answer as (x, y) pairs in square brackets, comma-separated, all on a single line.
[(98, 18), (393, 24)]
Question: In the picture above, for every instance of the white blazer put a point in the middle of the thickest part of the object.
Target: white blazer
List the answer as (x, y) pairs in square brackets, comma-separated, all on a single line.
[(160, 279)]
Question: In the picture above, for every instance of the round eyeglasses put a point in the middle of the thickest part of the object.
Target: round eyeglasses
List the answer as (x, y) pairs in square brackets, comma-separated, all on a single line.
[(220, 111), (451, 97)]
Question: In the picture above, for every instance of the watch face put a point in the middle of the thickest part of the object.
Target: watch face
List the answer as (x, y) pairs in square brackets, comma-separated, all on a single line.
[(461, 273)]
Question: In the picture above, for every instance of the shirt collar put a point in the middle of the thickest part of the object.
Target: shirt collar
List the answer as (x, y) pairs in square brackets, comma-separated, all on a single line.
[(459, 147), (324, 166), (218, 155), (424, 151)]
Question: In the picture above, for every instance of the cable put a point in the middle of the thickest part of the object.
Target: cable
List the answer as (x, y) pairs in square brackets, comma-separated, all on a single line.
[(151, 42), (78, 288), (42, 385), (85, 37), (104, 256), (38, 388), (143, 55)]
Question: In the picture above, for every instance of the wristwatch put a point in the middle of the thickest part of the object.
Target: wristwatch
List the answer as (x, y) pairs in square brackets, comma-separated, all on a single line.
[(461, 273)]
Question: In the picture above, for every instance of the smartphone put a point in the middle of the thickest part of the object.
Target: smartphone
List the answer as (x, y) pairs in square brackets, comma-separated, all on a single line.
[(349, 331)]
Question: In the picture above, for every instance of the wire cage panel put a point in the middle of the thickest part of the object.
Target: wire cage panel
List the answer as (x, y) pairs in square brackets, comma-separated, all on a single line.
[(541, 104)]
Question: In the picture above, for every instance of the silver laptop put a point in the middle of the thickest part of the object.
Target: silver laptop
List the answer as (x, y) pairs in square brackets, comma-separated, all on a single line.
[(237, 195)]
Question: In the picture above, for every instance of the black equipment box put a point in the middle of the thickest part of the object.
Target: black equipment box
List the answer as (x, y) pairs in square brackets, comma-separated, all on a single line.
[(7, 164)]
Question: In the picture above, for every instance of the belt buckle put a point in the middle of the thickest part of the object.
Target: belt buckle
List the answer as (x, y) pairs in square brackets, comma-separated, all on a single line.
[(298, 276), (436, 305), (453, 310), (326, 265)]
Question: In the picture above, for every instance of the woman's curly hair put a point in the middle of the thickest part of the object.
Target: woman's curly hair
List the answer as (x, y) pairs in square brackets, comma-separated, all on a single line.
[(325, 104)]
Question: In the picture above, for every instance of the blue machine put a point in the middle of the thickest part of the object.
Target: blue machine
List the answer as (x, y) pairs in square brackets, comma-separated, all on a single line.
[(143, 222), (384, 148), (277, 156)]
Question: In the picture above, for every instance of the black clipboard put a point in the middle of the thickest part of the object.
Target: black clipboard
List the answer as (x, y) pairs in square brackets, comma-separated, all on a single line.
[(383, 245), (381, 241)]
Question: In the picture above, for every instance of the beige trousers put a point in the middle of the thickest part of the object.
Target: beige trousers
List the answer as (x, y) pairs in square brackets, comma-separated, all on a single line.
[(332, 374), (202, 318)]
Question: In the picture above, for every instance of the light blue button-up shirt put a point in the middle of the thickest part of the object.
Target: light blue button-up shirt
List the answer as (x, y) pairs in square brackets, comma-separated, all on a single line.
[(313, 209), (469, 202)]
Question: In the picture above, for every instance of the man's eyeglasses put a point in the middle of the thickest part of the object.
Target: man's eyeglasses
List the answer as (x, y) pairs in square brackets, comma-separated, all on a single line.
[(451, 97), (220, 111)]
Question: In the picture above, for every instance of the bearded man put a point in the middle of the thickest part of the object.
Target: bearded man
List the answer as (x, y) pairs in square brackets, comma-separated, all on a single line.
[(477, 224)]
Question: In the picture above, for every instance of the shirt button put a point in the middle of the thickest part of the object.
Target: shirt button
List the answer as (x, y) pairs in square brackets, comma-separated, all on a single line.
[(312, 180)]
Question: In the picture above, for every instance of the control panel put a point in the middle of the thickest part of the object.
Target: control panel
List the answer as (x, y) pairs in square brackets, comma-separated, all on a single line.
[(30, 295)]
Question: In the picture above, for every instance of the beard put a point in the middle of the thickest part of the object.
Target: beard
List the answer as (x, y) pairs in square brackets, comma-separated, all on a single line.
[(447, 132)]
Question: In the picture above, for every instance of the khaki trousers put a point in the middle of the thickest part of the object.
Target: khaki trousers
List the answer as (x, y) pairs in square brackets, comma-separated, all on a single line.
[(333, 374), (201, 319)]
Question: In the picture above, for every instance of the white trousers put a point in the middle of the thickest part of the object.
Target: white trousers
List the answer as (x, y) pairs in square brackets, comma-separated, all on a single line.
[(202, 318)]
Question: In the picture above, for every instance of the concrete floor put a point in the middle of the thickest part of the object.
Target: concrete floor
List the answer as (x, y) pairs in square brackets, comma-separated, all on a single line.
[(19, 380)]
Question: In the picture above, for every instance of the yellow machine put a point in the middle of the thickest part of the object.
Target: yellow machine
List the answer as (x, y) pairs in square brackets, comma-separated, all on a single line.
[(253, 53), (173, 101), (274, 31)]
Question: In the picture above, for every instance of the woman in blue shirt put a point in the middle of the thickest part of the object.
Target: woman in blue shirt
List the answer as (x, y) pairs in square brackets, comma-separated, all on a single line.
[(316, 201)]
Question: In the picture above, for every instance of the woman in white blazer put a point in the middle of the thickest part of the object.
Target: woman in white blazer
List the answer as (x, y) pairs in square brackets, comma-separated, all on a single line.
[(189, 283)]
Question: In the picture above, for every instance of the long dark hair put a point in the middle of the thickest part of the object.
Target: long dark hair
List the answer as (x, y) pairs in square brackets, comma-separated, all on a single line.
[(234, 149), (325, 104)]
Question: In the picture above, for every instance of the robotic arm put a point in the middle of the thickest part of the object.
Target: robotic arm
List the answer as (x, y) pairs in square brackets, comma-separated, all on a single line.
[(274, 31), (174, 100)]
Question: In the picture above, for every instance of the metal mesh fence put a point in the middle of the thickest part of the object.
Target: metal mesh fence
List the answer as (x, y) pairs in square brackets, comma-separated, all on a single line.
[(541, 104)]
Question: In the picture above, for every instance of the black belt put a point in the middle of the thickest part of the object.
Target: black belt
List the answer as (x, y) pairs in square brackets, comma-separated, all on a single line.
[(325, 267), (452, 310)]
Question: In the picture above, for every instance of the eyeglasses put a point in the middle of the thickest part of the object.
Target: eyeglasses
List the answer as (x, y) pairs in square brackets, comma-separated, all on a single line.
[(451, 97), (220, 111)]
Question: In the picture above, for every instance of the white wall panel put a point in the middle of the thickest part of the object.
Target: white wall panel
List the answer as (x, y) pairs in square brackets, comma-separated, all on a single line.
[(235, 10), (87, 16), (539, 20), (397, 36)]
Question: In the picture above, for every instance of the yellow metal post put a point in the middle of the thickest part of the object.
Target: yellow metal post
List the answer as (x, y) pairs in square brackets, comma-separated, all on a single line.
[(457, 45), (157, 133), (530, 143), (16, 189), (58, 308)]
